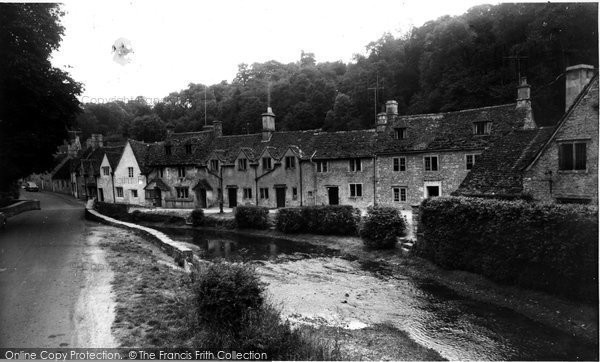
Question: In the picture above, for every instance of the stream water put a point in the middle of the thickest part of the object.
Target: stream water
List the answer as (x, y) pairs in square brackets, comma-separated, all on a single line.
[(315, 285)]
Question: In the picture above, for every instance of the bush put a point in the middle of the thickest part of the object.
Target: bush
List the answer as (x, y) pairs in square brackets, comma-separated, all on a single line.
[(553, 248), (381, 226), (197, 217), (323, 220), (252, 217), (116, 211), (225, 293), (137, 216)]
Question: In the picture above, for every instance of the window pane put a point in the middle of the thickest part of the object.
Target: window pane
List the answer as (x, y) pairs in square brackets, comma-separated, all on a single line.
[(427, 164), (566, 157), (434, 164), (396, 194), (403, 164), (580, 156), (396, 164)]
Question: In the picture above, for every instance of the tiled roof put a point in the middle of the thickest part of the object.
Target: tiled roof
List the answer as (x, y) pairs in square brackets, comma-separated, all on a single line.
[(499, 171), (449, 131), (114, 155), (140, 151)]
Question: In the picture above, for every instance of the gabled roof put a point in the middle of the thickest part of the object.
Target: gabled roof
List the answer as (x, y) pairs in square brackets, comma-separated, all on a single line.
[(198, 141), (499, 171), (113, 154), (140, 151), (449, 131)]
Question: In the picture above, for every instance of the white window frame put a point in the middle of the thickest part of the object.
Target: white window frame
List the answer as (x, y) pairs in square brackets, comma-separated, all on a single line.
[(290, 162), (400, 133), (119, 191), (242, 164), (400, 164), (399, 190), (247, 193), (267, 164), (432, 183), (134, 193), (264, 193)]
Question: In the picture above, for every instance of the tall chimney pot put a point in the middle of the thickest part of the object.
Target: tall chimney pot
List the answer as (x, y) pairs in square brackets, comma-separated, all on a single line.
[(524, 103), (268, 124)]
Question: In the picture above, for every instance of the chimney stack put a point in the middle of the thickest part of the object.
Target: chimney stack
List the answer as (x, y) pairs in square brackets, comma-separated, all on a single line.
[(577, 77), (218, 125), (95, 141), (381, 122), (268, 124), (391, 108), (524, 103)]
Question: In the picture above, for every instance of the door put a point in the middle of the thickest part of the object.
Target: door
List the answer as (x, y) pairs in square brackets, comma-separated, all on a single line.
[(280, 196), (232, 193), (334, 198), (100, 195), (157, 197), (201, 197)]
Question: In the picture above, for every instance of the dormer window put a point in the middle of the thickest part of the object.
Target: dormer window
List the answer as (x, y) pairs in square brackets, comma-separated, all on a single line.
[(181, 172), (214, 165), (400, 133), (266, 163), (188, 149), (106, 170), (242, 164), (482, 128), (290, 162), (168, 150)]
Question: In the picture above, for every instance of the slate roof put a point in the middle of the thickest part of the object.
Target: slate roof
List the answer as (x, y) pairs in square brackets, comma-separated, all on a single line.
[(141, 151), (499, 171), (449, 131), (114, 155)]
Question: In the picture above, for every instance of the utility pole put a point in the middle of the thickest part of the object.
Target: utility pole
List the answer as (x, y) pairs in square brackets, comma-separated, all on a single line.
[(375, 90), (205, 105)]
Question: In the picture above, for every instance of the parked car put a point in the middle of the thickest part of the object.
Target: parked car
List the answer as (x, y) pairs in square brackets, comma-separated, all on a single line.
[(31, 186), (3, 220)]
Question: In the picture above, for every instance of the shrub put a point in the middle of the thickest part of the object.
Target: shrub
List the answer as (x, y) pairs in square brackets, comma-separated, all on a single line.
[(197, 217), (137, 216), (291, 220), (380, 227), (225, 293), (116, 211), (323, 220), (252, 217), (547, 247)]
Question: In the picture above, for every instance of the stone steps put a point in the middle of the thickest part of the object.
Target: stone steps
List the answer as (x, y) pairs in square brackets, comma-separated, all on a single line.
[(406, 245)]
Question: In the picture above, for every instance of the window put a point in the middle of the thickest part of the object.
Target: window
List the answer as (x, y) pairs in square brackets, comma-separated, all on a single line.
[(266, 163), (321, 166), (264, 193), (214, 165), (182, 192), (481, 128), (290, 162), (161, 172), (168, 150), (188, 149), (119, 192), (471, 160), (247, 193), (134, 194), (106, 170), (294, 193), (431, 163), (180, 171), (130, 171), (242, 164), (400, 164), (355, 164), (355, 190), (400, 133), (572, 156), (399, 194)]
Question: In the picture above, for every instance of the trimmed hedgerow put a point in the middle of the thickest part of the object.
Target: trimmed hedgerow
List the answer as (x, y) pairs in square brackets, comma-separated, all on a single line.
[(323, 220), (380, 227), (252, 217), (197, 217), (137, 216), (553, 248), (116, 211)]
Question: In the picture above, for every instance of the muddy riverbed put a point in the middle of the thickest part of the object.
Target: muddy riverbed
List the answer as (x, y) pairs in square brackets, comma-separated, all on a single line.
[(321, 286)]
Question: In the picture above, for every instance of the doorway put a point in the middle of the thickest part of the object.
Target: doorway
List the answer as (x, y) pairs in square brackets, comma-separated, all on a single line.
[(280, 196), (232, 195), (157, 197), (333, 193), (100, 195), (201, 197)]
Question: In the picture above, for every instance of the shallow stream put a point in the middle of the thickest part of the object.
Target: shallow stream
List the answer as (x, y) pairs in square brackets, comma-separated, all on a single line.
[(316, 285)]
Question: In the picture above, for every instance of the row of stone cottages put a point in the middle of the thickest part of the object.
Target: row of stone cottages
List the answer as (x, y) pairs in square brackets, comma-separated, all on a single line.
[(496, 151)]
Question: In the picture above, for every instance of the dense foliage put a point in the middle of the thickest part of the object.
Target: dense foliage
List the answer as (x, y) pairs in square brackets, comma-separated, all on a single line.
[(380, 227), (137, 216), (548, 247), (197, 217), (447, 64), (38, 102), (116, 211), (252, 217), (323, 220)]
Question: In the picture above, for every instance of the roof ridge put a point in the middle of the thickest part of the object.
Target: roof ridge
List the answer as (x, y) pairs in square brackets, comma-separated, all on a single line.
[(455, 112)]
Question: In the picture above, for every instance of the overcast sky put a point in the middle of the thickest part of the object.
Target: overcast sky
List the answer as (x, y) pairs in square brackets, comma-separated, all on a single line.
[(178, 42)]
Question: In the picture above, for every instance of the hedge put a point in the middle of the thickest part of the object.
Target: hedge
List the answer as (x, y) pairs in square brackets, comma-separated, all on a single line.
[(323, 220), (252, 217), (197, 217), (138, 215), (116, 211), (380, 227), (553, 248)]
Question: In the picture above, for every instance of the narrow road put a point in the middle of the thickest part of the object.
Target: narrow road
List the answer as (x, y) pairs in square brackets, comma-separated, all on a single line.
[(42, 254)]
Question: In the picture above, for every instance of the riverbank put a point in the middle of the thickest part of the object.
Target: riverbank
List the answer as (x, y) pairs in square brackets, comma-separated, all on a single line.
[(576, 319)]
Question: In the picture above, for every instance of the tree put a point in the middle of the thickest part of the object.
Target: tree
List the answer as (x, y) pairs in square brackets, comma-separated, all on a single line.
[(38, 102), (148, 128)]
